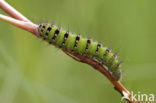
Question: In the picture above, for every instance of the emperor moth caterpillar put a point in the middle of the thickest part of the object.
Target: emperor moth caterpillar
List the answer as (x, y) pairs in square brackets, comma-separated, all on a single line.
[(82, 46)]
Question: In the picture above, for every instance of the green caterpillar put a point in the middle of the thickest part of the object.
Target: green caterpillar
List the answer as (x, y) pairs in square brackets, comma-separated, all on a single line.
[(82, 46)]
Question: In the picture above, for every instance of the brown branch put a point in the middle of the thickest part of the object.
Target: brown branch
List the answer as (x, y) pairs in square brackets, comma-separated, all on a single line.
[(23, 23), (117, 85)]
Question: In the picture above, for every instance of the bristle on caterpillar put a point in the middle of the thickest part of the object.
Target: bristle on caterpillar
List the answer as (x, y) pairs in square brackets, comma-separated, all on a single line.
[(82, 46)]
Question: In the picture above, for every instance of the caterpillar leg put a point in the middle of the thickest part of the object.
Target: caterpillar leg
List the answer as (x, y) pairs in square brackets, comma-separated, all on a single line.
[(73, 56)]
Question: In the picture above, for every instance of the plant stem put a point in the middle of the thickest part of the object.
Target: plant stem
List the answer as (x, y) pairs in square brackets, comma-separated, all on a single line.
[(28, 26), (22, 22), (11, 11)]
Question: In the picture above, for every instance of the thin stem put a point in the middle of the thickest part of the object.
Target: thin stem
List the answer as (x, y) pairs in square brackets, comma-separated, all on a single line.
[(28, 26), (11, 11), (22, 22)]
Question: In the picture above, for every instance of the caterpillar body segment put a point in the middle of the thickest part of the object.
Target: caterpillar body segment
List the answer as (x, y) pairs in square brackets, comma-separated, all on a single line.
[(82, 46)]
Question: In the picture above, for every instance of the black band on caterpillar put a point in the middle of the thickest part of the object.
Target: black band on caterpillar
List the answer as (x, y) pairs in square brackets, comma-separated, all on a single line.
[(56, 33), (65, 38), (42, 28), (98, 46), (88, 43), (48, 30), (76, 41)]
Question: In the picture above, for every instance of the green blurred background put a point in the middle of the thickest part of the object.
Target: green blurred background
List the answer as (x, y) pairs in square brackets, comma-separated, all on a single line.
[(31, 71)]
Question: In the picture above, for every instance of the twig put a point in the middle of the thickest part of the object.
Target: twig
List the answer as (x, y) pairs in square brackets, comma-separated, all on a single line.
[(28, 26), (22, 22), (11, 11)]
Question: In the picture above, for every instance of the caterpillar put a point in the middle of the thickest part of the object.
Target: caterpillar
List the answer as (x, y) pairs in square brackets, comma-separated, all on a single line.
[(82, 46)]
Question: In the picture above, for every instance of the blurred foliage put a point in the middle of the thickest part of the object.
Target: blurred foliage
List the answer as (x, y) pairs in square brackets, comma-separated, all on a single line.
[(31, 71)]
